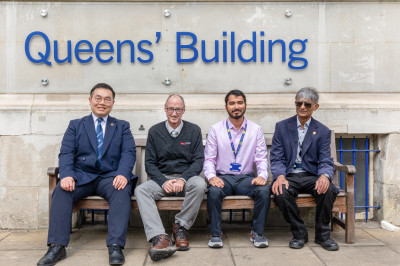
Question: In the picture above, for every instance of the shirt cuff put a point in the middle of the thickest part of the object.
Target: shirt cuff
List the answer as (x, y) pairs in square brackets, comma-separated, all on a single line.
[(264, 175)]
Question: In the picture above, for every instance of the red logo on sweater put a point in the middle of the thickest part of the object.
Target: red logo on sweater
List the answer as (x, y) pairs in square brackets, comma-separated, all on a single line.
[(185, 143)]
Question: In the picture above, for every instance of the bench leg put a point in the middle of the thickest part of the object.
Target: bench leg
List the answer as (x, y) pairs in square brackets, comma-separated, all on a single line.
[(350, 228), (334, 226)]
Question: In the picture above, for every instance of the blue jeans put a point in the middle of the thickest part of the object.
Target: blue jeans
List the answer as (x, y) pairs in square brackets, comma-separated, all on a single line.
[(238, 185)]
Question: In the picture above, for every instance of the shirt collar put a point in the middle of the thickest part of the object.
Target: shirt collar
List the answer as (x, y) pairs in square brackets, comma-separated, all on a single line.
[(170, 129), (95, 118), (306, 125), (230, 125)]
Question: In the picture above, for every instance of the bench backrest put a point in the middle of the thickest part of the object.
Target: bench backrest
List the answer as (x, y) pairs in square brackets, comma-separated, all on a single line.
[(141, 146)]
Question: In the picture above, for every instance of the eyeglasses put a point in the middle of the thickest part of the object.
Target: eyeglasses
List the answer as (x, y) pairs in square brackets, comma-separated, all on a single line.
[(300, 104), (171, 110), (98, 99)]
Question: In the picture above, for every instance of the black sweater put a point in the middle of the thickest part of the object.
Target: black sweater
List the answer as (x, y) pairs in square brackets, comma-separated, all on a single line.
[(167, 155)]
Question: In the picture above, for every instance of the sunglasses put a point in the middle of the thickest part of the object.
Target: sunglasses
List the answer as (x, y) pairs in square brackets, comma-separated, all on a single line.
[(306, 104)]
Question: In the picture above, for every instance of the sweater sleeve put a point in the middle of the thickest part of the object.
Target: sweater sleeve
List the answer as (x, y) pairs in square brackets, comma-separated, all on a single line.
[(151, 162), (197, 156)]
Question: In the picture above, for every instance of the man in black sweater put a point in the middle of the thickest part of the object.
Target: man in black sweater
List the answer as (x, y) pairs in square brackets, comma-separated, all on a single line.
[(174, 159)]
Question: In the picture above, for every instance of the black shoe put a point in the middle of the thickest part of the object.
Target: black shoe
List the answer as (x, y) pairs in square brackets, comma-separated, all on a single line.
[(328, 244), (298, 243), (116, 257), (54, 254)]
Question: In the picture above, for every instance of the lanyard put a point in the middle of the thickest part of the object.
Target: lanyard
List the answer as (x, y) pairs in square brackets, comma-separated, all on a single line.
[(241, 139)]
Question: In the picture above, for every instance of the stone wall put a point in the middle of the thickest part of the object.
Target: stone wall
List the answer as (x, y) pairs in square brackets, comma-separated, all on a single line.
[(352, 50)]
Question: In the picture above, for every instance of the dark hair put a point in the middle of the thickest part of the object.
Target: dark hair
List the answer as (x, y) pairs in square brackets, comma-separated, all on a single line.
[(236, 93), (103, 86)]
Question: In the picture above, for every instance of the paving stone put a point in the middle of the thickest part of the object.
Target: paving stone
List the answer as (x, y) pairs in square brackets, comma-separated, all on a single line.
[(275, 256), (197, 256), (4, 234), (387, 237), (96, 239), (198, 238), (359, 255), (397, 249), (24, 241), (20, 257), (97, 257)]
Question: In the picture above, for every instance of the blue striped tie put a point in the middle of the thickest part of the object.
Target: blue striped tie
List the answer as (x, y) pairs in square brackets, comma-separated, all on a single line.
[(99, 133)]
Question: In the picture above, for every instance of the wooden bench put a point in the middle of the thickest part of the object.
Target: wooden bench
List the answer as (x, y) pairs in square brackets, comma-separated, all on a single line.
[(344, 202)]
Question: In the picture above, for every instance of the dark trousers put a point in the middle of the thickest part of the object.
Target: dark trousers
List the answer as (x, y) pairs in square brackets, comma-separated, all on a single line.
[(238, 185), (305, 183), (63, 201)]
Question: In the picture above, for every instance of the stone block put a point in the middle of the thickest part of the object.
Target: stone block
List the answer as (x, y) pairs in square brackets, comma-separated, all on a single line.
[(392, 166), (386, 76), (376, 22), (353, 67), (297, 26), (342, 32), (43, 209), (25, 159), (84, 21), (18, 207)]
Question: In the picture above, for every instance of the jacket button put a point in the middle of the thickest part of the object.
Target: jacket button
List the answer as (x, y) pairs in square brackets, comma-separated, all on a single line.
[(83, 159)]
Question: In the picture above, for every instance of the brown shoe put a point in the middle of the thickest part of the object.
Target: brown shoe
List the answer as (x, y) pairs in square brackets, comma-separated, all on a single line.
[(161, 249), (179, 237)]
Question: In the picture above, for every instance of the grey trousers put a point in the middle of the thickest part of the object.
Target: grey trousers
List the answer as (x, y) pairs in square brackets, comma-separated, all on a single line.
[(149, 192)]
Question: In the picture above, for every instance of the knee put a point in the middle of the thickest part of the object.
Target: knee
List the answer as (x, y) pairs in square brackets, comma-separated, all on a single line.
[(214, 193), (140, 191), (263, 192), (59, 193), (197, 184), (285, 195)]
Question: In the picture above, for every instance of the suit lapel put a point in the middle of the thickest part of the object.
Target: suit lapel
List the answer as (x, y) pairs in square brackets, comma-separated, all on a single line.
[(110, 129), (90, 131), (311, 133), (293, 135)]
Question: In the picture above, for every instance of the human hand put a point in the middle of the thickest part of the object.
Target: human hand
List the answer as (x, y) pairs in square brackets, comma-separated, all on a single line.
[(322, 184), (178, 185), (259, 181), (216, 182), (169, 186), (68, 183), (120, 182), (277, 186)]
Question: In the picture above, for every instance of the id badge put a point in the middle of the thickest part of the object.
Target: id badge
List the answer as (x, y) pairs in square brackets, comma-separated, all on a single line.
[(235, 167)]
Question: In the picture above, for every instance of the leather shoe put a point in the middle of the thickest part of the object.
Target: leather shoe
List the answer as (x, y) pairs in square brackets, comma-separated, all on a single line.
[(162, 248), (54, 254), (179, 237), (116, 257), (298, 243), (328, 244)]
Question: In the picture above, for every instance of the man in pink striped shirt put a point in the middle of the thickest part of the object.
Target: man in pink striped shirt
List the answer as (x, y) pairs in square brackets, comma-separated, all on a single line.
[(233, 147)]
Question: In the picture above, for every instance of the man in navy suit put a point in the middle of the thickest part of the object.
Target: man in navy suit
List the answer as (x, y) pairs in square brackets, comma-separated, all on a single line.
[(301, 162), (97, 156)]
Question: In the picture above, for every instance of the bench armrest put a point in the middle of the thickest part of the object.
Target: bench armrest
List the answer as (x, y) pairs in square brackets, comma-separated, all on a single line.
[(348, 169)]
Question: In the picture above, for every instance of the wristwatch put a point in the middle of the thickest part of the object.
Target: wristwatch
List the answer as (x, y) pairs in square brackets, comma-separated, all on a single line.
[(327, 176)]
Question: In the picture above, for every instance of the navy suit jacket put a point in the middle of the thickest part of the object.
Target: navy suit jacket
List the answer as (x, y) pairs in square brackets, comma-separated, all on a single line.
[(78, 152), (316, 148)]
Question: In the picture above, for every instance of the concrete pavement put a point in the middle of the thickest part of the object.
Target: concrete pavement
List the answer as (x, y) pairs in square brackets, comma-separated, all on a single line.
[(374, 246)]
